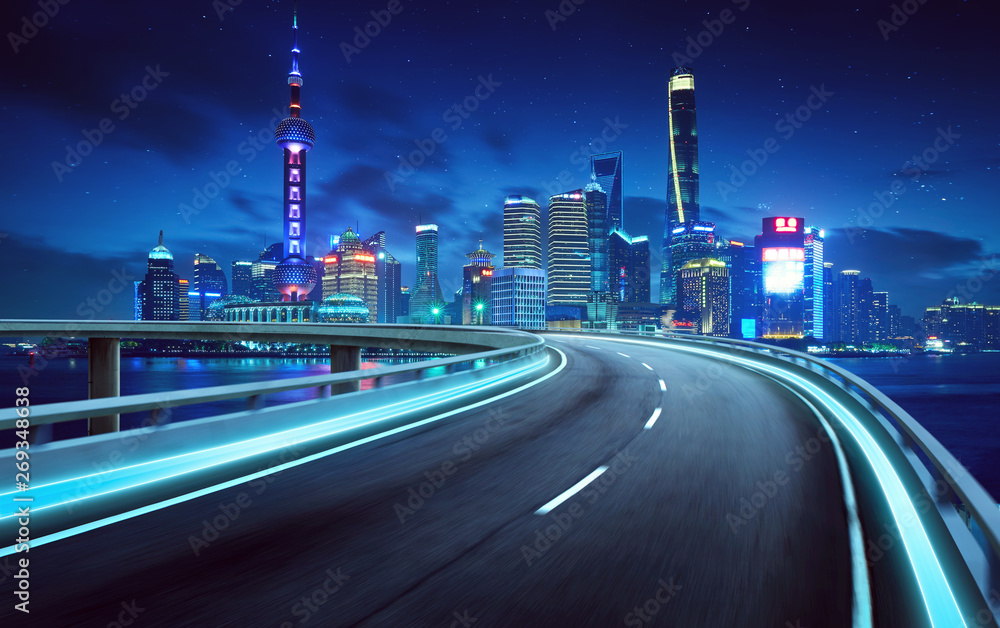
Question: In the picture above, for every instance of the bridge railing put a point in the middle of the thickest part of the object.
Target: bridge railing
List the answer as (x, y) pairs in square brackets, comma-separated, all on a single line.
[(512, 346), (982, 510)]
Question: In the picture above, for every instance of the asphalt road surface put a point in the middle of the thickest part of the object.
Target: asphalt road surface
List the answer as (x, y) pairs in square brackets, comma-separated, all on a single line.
[(725, 511)]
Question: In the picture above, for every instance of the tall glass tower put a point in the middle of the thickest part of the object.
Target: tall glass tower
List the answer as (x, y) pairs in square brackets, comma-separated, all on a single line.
[(426, 291), (522, 233), (682, 183), (569, 250), (294, 277), (606, 169), (598, 230), (815, 324)]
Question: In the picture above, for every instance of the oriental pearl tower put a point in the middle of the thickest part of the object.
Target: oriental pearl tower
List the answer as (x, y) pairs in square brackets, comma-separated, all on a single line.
[(294, 277)]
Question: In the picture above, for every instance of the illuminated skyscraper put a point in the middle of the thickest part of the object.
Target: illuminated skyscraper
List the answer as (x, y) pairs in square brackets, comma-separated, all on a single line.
[(160, 288), (849, 306), (628, 264), (682, 171), (703, 290), (518, 298), (744, 282), (208, 285), (294, 277), (477, 276), (598, 228), (783, 260), (242, 278), (351, 270), (689, 241), (569, 250), (813, 286), (522, 233), (184, 300), (606, 169), (426, 300), (831, 320), (388, 272), (137, 300)]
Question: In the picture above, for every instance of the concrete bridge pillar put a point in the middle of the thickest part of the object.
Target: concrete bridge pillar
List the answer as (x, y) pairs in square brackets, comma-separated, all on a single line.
[(103, 370), (342, 360)]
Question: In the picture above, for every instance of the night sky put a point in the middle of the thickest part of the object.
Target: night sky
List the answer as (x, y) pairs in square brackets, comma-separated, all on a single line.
[(890, 93)]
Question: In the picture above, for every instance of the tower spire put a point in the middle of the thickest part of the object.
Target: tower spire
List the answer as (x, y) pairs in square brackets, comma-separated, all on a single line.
[(294, 76), (160, 243)]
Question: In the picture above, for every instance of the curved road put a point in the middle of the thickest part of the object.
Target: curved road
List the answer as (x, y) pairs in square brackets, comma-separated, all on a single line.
[(725, 511)]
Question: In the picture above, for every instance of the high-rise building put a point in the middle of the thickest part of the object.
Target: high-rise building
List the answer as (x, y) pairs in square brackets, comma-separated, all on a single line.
[(895, 318), (208, 285), (813, 284), (351, 270), (388, 272), (477, 276), (689, 241), (161, 286), (137, 300), (522, 233), (569, 250), (404, 301), (866, 310), (598, 228), (703, 291), (744, 281), (682, 172), (783, 259), (184, 299), (242, 279), (606, 170), (880, 317), (628, 263), (426, 300), (517, 298), (849, 306), (294, 277), (831, 297)]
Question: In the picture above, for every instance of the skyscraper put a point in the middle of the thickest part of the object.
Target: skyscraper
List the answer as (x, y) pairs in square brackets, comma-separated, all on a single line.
[(598, 228), (477, 276), (682, 171), (703, 290), (744, 278), (628, 262), (294, 277), (849, 306), (161, 287), (606, 169), (689, 241), (522, 233), (184, 300), (569, 250), (208, 285), (813, 284), (426, 296), (518, 298), (351, 270), (783, 259), (831, 319), (242, 278), (388, 272), (880, 317)]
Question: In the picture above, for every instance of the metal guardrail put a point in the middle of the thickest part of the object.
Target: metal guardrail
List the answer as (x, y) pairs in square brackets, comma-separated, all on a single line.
[(513, 345), (982, 507)]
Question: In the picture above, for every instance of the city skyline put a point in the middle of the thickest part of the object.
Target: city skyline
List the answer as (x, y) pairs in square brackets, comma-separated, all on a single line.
[(185, 132)]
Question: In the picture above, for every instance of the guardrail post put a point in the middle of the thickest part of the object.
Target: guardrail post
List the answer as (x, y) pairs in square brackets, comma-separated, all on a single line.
[(103, 371), (342, 360)]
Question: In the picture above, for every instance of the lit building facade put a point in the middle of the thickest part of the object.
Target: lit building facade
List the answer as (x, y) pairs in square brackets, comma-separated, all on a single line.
[(744, 281), (682, 173), (569, 250), (689, 241), (783, 260), (813, 285), (351, 270), (606, 170), (209, 284), (703, 291), (849, 306), (477, 277), (161, 288), (629, 270), (242, 279), (426, 300), (184, 299), (831, 319), (388, 273), (598, 228), (522, 233), (517, 298)]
